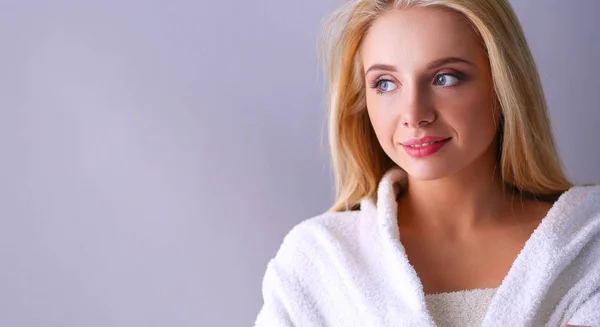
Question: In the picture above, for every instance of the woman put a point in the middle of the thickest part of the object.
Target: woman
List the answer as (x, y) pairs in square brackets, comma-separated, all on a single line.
[(452, 208)]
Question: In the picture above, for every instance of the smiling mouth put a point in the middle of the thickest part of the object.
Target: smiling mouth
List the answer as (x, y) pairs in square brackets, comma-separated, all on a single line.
[(425, 144), (422, 145)]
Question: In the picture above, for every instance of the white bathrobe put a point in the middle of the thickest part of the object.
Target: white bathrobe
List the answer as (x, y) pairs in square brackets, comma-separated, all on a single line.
[(350, 269)]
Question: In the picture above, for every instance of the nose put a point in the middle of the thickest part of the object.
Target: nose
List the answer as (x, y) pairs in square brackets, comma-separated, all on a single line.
[(417, 109)]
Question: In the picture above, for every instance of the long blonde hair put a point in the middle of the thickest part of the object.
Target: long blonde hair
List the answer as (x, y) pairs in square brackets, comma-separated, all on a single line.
[(528, 159)]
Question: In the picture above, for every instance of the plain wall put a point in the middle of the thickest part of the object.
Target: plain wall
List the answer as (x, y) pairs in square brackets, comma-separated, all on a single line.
[(155, 153)]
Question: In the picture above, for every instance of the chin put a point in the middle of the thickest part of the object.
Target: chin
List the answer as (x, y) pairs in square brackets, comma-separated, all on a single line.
[(426, 171), (425, 176)]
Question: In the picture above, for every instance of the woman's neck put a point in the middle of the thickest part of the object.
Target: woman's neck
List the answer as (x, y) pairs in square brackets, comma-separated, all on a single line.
[(456, 204)]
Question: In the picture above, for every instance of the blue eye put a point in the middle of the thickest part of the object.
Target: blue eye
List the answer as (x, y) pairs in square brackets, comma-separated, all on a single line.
[(446, 80), (384, 86)]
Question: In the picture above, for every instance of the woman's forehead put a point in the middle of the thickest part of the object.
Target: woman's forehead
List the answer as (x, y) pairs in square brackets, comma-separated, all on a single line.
[(419, 36)]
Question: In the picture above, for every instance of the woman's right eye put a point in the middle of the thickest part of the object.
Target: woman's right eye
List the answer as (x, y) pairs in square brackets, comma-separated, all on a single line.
[(384, 86)]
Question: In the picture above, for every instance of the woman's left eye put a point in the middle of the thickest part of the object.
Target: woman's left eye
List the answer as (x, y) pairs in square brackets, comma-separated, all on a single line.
[(446, 80)]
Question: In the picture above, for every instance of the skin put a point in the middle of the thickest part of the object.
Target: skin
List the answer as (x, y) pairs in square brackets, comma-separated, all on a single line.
[(460, 228)]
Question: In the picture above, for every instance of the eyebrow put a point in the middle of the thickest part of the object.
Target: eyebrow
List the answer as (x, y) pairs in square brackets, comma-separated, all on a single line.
[(432, 65)]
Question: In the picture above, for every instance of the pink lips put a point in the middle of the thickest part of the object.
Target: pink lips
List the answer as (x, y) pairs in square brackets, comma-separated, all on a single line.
[(419, 148)]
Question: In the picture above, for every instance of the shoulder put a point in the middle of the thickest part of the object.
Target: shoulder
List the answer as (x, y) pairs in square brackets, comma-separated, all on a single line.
[(577, 207), (576, 248), (574, 226), (583, 195), (320, 233), (315, 244), (303, 272)]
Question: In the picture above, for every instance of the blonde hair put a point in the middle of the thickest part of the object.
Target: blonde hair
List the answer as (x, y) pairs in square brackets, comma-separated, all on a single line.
[(528, 159)]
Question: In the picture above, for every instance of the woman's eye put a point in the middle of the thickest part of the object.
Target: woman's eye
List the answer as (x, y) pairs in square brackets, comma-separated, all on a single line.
[(446, 80), (386, 86)]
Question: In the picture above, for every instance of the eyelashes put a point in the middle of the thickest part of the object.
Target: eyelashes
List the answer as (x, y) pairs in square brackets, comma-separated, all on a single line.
[(374, 84), (449, 79), (382, 81)]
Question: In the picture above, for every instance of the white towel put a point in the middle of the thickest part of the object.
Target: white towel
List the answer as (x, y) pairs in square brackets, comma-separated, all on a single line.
[(349, 269)]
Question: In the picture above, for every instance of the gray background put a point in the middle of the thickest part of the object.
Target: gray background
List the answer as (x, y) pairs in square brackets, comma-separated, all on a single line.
[(155, 153)]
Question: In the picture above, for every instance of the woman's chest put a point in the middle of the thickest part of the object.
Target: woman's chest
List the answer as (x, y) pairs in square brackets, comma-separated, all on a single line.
[(446, 266)]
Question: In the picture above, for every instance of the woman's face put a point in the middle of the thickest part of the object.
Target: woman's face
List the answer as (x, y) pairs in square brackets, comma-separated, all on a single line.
[(428, 80)]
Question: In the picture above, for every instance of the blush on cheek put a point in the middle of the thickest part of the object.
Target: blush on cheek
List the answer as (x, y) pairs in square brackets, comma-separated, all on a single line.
[(384, 130), (474, 109)]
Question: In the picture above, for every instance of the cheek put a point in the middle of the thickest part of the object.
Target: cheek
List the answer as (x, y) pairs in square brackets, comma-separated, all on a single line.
[(382, 121), (473, 116)]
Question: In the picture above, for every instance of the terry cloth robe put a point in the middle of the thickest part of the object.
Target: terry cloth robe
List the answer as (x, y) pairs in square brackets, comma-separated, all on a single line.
[(350, 269)]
